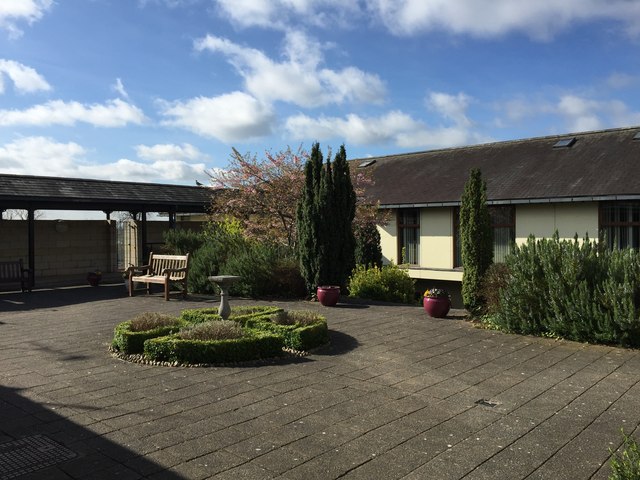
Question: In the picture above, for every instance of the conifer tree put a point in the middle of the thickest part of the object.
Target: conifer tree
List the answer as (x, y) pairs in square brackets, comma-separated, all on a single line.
[(476, 238), (324, 221)]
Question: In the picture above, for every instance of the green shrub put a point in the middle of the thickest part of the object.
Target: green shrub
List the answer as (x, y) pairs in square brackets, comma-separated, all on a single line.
[(574, 290), (238, 313), (179, 241), (132, 342), (368, 251), (252, 346), (214, 330), (495, 281), (389, 283), (301, 330), (625, 465), (150, 320)]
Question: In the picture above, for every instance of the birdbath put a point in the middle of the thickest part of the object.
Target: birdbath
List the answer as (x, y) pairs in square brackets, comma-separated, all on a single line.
[(224, 282)]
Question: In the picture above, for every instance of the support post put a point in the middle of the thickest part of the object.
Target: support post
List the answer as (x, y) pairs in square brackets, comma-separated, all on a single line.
[(31, 221)]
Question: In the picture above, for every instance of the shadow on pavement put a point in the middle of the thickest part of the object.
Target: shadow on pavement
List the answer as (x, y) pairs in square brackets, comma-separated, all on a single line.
[(37, 441)]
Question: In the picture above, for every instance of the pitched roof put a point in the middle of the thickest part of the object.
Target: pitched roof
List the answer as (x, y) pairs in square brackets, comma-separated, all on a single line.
[(598, 165), (57, 193)]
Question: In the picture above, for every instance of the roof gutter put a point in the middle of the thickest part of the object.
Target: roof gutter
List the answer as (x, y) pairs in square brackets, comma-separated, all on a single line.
[(518, 201)]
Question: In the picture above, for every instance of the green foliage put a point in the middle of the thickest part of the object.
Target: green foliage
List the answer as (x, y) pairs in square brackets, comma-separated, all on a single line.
[(625, 465), (301, 330), (150, 320), (574, 290), (239, 314), (179, 241), (212, 330), (131, 342), (253, 345), (494, 281), (368, 251), (389, 283), (476, 240), (324, 221)]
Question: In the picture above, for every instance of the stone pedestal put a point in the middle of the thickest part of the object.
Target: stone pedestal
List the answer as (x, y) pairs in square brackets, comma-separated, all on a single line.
[(224, 282)]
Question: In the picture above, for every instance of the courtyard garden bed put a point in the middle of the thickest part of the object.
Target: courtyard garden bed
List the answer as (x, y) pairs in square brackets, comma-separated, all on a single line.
[(201, 337)]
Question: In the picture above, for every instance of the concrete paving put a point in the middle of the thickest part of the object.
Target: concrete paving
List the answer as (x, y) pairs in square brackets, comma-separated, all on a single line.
[(397, 395)]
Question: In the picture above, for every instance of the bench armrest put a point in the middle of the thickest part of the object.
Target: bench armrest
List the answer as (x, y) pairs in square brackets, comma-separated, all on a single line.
[(137, 269), (169, 271)]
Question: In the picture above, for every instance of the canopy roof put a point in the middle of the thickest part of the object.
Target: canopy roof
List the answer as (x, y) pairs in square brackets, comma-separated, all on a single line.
[(58, 193)]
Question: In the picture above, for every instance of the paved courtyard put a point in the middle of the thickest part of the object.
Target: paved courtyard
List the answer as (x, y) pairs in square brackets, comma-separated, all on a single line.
[(396, 395)]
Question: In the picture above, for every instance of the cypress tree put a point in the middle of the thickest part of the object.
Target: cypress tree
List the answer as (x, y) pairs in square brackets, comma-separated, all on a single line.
[(344, 211), (307, 219), (324, 221), (476, 238)]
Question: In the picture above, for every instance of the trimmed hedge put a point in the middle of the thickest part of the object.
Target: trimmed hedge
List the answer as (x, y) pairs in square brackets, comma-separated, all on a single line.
[(200, 315), (253, 346), (128, 342), (264, 336)]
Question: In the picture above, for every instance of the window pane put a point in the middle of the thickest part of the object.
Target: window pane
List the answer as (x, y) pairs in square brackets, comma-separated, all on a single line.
[(502, 242)]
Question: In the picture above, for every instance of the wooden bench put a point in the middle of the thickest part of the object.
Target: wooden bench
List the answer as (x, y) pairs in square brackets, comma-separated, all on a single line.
[(162, 269), (14, 272)]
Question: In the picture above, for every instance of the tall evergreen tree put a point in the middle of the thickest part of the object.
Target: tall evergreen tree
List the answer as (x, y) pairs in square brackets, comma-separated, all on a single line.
[(476, 237), (324, 221), (344, 211), (308, 219)]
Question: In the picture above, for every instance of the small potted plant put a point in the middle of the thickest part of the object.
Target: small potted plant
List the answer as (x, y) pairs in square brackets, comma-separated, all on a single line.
[(436, 302), (328, 295), (94, 278)]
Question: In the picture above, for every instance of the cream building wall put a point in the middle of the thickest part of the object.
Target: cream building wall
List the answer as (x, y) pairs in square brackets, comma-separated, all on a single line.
[(543, 220), (436, 234)]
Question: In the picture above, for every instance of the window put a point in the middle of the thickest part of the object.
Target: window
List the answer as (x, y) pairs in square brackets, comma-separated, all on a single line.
[(409, 236), (503, 222), (620, 224)]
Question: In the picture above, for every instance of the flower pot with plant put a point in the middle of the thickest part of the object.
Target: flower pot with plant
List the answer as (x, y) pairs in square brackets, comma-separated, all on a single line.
[(436, 302)]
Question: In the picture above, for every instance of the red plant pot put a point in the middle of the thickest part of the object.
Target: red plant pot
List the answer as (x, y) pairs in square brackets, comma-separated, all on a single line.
[(436, 307), (328, 295)]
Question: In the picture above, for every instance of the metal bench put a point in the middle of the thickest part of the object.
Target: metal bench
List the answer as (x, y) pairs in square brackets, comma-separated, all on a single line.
[(14, 272), (163, 270)]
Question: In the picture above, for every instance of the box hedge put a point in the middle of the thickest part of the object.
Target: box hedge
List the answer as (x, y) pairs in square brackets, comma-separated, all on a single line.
[(253, 346)]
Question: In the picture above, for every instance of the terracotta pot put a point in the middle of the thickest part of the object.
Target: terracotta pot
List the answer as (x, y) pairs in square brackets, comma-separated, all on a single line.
[(436, 307), (328, 295), (94, 279)]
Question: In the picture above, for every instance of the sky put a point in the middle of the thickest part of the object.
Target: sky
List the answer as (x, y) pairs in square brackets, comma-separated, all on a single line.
[(162, 90)]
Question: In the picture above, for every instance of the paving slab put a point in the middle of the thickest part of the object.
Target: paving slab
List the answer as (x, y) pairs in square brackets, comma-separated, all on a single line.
[(397, 394)]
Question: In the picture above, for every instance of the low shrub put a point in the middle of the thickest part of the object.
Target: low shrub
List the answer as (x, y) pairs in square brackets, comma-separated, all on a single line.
[(128, 341), (301, 330), (389, 283), (239, 313), (625, 465), (574, 290), (252, 346), (214, 330), (495, 280), (150, 320)]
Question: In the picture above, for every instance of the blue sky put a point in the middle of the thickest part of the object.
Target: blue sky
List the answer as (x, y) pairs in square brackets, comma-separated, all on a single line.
[(161, 90)]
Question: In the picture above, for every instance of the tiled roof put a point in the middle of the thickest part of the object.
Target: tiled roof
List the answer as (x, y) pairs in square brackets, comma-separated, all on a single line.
[(602, 164), (19, 191)]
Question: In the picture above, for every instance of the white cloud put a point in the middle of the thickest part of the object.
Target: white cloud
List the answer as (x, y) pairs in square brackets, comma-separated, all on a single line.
[(622, 80), (49, 157), (451, 107), (169, 151), (40, 154), (583, 114), (25, 79), (298, 78), (540, 19), (118, 87), (114, 113), (281, 14), (230, 117), (394, 127), (14, 11)]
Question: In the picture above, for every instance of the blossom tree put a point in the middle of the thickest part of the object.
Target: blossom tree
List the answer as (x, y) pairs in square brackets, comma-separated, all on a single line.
[(262, 193)]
